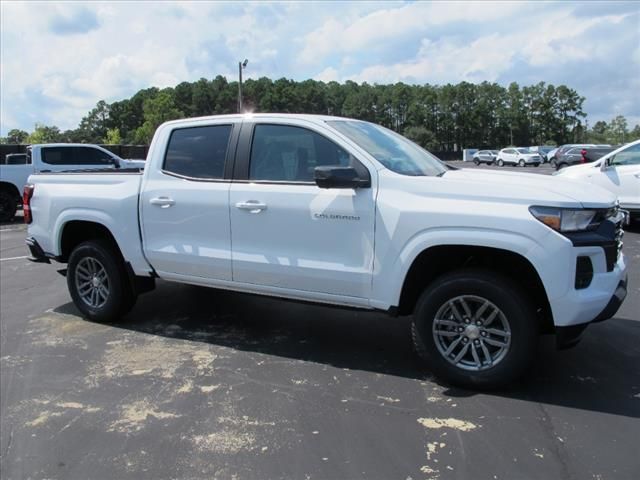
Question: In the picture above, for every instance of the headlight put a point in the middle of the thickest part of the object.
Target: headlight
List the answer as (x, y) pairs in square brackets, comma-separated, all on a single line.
[(569, 220)]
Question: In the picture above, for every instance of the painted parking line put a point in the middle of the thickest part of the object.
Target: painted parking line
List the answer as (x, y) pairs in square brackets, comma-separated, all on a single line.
[(13, 258)]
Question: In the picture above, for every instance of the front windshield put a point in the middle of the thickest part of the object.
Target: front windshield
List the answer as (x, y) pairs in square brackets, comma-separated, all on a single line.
[(392, 150), (523, 150)]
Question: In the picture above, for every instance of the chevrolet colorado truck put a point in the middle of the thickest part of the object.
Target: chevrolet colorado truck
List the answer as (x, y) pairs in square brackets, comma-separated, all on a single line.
[(52, 157), (342, 212)]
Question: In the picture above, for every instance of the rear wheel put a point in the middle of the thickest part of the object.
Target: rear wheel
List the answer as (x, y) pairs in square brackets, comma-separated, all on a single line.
[(475, 329), (8, 206), (500, 162), (98, 282)]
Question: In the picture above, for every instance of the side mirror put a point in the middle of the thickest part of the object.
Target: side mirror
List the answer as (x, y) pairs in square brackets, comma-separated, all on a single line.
[(339, 177)]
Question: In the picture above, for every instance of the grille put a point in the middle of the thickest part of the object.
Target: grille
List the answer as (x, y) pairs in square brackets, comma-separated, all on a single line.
[(612, 252)]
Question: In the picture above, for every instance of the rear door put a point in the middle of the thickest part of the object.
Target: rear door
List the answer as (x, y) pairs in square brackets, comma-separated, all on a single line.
[(286, 231), (184, 204)]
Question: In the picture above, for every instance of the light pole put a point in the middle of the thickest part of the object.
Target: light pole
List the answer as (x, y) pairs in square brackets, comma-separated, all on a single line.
[(241, 66)]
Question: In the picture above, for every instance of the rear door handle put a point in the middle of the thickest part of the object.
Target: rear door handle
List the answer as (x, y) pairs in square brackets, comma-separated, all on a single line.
[(162, 202), (252, 205)]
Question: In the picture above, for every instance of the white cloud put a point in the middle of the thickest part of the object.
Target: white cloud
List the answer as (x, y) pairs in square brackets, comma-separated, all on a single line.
[(110, 50)]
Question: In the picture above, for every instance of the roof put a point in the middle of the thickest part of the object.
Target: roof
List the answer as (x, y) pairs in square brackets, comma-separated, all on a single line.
[(238, 116)]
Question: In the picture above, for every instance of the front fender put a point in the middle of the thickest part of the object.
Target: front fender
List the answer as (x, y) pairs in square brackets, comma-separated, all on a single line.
[(389, 276)]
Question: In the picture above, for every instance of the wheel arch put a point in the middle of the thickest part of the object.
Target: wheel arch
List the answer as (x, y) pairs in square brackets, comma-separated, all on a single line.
[(435, 261), (74, 232)]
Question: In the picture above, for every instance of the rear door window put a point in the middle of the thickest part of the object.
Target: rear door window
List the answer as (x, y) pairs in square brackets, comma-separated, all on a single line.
[(198, 152), (57, 155)]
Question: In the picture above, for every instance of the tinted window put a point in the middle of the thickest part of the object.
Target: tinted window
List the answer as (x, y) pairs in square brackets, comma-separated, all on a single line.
[(290, 154), (57, 155), (91, 156), (75, 156), (198, 152)]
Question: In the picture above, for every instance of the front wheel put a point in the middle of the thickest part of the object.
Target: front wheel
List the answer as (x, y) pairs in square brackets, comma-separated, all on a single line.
[(561, 166), (476, 161), (475, 329), (521, 163), (500, 162), (98, 282)]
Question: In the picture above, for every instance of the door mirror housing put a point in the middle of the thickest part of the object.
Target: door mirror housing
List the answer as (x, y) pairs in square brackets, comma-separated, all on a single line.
[(339, 177), (606, 163)]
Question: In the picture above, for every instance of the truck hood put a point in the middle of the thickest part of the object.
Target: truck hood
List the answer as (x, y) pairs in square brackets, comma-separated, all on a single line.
[(581, 170), (527, 188)]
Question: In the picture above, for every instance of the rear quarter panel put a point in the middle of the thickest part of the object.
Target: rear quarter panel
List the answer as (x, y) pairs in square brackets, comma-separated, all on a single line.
[(110, 199)]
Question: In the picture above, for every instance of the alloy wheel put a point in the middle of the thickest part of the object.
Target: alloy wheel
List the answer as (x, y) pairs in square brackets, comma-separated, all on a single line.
[(471, 333)]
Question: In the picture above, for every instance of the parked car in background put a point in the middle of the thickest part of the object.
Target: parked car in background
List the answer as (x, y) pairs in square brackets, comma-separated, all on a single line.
[(518, 156), (15, 159), (485, 156), (52, 157), (550, 154), (565, 148), (577, 155), (617, 171), (542, 150)]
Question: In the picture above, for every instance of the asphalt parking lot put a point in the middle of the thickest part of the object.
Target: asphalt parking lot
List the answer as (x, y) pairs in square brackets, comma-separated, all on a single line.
[(199, 383)]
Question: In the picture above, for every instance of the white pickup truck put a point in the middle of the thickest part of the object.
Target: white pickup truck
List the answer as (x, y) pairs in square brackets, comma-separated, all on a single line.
[(53, 157), (342, 212)]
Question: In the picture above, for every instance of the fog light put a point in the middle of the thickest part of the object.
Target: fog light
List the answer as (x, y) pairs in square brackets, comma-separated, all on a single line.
[(584, 272)]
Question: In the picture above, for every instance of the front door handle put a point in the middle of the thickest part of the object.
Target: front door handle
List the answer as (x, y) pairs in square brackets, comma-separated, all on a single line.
[(162, 202), (252, 205)]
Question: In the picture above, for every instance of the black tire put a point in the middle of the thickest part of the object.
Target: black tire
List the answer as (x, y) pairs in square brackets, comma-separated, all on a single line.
[(562, 165), (8, 206), (120, 298), (522, 163), (536, 164), (500, 162), (476, 161), (500, 291)]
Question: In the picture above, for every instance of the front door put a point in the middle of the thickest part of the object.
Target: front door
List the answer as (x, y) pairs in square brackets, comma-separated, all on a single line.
[(185, 206), (289, 233)]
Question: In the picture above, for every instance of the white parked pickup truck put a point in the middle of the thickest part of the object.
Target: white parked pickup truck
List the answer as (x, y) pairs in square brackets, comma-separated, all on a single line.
[(53, 157), (617, 171), (342, 212)]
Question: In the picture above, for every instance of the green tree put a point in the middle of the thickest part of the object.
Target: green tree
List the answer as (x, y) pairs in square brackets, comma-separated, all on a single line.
[(45, 134), (16, 136), (113, 137), (157, 110), (617, 130), (93, 127)]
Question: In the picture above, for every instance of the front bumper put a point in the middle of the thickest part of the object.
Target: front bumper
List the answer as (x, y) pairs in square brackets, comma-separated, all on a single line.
[(569, 336)]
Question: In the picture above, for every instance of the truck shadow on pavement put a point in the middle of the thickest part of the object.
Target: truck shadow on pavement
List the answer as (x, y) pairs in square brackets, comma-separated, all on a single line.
[(601, 374)]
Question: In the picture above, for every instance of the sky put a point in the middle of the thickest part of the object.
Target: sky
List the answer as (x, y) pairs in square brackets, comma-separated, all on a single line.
[(58, 59)]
